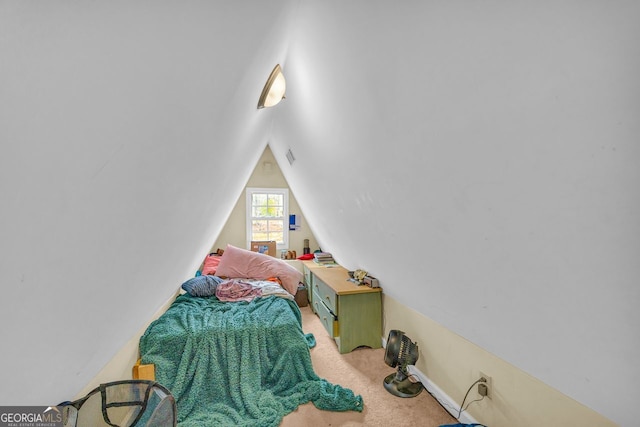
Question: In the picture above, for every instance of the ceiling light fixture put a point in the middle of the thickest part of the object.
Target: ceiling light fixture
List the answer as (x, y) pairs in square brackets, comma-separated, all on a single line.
[(274, 89)]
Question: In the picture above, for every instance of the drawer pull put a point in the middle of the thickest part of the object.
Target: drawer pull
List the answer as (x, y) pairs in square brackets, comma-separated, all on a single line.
[(327, 298)]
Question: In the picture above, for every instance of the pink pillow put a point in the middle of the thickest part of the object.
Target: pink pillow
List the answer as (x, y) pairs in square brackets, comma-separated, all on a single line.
[(241, 263), (210, 264)]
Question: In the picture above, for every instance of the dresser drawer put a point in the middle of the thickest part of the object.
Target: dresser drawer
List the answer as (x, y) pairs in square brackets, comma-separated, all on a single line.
[(351, 314), (307, 277), (326, 317), (325, 294)]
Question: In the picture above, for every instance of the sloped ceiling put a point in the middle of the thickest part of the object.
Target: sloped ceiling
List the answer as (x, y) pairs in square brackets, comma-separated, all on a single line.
[(480, 160), (128, 130)]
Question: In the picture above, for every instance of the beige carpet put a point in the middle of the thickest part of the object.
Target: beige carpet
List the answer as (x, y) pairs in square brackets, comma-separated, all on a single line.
[(362, 371)]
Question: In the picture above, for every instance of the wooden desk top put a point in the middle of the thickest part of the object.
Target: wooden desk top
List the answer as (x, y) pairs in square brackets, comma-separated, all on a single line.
[(337, 277)]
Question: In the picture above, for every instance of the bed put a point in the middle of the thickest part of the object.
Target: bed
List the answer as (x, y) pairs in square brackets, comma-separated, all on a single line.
[(241, 359)]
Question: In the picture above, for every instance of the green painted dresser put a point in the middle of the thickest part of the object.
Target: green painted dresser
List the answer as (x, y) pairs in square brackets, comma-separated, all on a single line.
[(351, 314)]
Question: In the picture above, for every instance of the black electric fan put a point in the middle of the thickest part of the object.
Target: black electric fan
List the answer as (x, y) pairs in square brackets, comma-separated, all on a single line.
[(401, 352)]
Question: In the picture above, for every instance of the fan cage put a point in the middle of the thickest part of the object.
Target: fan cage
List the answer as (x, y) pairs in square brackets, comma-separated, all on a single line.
[(400, 353)]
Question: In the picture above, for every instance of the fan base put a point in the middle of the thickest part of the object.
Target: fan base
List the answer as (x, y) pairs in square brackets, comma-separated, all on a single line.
[(404, 388)]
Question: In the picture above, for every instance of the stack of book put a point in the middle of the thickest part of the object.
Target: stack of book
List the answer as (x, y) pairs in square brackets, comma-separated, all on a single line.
[(323, 258)]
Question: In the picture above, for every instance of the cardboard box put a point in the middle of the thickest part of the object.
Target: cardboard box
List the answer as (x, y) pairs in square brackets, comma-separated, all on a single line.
[(302, 297), (264, 247)]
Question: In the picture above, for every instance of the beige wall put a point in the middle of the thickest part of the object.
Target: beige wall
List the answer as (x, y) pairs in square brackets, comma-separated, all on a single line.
[(234, 231), (453, 364)]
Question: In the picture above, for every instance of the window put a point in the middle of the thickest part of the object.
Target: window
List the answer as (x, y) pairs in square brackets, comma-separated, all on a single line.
[(267, 215)]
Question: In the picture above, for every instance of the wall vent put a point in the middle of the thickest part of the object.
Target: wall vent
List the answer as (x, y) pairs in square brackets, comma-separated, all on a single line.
[(290, 157)]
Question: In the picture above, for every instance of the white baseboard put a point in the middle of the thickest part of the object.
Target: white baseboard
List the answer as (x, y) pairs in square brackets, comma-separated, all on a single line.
[(443, 398)]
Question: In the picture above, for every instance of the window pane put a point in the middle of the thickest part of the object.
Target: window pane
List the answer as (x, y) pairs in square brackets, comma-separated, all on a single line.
[(278, 237), (261, 237), (267, 215), (275, 211), (259, 226), (259, 199), (260, 211), (276, 200), (276, 226)]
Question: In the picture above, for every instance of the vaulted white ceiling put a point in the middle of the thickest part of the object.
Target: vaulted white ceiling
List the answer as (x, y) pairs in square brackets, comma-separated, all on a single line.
[(479, 158)]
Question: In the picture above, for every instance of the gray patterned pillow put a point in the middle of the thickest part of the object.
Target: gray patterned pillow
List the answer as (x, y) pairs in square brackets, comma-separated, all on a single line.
[(202, 286)]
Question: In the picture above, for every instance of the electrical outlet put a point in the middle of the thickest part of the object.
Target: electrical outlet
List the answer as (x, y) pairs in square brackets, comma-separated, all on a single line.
[(483, 390), (488, 383)]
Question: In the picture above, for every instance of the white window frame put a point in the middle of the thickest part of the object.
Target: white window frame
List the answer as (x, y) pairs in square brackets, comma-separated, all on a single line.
[(250, 191)]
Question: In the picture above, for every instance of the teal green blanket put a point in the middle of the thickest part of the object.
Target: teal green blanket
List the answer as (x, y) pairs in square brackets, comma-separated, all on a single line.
[(238, 363)]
